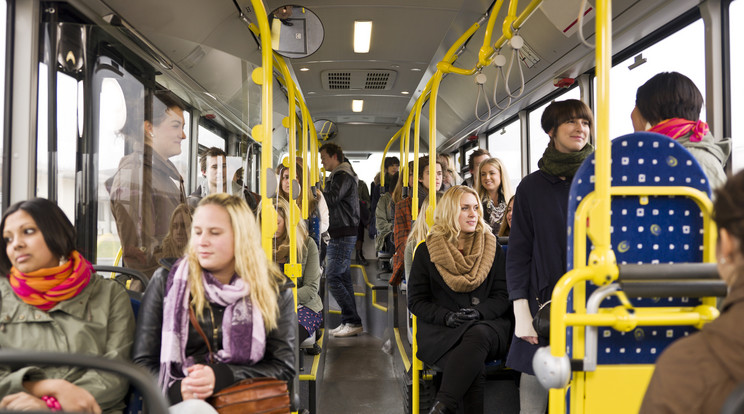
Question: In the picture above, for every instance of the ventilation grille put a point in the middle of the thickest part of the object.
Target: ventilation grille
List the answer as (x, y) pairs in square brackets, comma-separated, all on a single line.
[(358, 79), (339, 80), (376, 80)]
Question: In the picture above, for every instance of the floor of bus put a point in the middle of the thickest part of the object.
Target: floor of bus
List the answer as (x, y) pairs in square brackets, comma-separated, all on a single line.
[(355, 374)]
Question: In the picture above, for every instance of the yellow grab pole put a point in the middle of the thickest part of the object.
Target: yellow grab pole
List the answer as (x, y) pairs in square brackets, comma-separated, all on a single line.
[(262, 132), (486, 51), (518, 22), (416, 140)]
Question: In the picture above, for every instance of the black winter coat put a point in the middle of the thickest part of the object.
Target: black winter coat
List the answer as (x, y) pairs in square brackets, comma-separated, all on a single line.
[(278, 360), (430, 299), (343, 202)]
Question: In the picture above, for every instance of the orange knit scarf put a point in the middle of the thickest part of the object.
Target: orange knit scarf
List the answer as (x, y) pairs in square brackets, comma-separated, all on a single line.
[(45, 288)]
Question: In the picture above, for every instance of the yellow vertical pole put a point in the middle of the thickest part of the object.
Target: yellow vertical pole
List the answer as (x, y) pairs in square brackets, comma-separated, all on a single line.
[(416, 141), (262, 132), (305, 169)]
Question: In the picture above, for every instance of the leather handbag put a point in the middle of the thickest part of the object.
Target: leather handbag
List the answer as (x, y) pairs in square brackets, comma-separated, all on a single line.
[(251, 395), (541, 321)]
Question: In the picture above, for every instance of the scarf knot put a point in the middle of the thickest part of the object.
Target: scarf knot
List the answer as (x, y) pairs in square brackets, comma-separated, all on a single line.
[(677, 127), (243, 331), (561, 164), (463, 271), (44, 288)]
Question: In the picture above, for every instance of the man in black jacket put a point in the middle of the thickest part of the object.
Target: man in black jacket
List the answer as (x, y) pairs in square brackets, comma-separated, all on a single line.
[(343, 209)]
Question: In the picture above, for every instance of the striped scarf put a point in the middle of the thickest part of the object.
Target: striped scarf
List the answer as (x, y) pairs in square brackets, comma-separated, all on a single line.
[(677, 127), (44, 288)]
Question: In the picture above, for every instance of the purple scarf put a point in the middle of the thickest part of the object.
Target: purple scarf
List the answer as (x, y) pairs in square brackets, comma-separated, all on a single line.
[(243, 331)]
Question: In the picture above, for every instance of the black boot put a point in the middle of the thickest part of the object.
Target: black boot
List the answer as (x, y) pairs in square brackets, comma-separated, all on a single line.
[(439, 408)]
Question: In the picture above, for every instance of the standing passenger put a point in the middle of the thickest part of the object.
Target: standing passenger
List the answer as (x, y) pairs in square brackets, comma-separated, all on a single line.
[(343, 203), (147, 187), (670, 104), (474, 161), (52, 300), (536, 257), (458, 293), (696, 374), (240, 301), (494, 189)]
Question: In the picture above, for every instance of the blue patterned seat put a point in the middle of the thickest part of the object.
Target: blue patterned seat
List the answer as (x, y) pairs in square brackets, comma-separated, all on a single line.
[(663, 230)]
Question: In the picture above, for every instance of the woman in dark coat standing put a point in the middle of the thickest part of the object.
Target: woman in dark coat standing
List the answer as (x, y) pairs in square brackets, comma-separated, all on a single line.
[(457, 290), (536, 258)]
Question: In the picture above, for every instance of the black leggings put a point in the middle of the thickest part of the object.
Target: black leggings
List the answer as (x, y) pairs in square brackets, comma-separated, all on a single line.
[(464, 371)]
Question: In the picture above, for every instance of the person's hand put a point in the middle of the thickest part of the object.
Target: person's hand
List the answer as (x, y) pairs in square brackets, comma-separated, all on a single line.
[(451, 320), (71, 397), (23, 401), (199, 384), (523, 328), (469, 314)]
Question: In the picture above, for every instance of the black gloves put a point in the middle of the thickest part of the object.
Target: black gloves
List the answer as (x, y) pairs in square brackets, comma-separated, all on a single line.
[(455, 319)]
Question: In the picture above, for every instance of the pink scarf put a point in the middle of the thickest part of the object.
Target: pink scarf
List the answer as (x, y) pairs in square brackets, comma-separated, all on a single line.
[(677, 127)]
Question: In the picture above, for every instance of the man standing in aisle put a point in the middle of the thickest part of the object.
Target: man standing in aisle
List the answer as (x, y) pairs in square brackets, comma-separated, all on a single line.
[(343, 207)]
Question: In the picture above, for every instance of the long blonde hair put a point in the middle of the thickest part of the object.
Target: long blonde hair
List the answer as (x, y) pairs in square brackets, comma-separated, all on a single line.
[(505, 189), (261, 275), (420, 227), (446, 214), (282, 209)]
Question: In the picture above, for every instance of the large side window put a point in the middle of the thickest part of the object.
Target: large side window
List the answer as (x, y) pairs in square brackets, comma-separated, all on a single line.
[(3, 25), (737, 84), (664, 56), (505, 144), (538, 139)]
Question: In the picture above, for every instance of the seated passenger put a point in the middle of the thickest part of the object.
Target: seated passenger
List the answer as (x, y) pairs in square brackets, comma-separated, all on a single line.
[(317, 209), (418, 233), (696, 374), (494, 189), (391, 167), (241, 301), (670, 104), (474, 161), (403, 215), (458, 292), (52, 300), (449, 175), (309, 304), (147, 186), (506, 225), (384, 217)]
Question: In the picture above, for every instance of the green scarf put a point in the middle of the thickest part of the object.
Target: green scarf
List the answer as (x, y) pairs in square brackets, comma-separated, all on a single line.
[(561, 164)]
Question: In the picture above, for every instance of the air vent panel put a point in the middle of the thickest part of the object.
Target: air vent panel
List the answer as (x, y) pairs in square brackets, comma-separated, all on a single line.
[(363, 80)]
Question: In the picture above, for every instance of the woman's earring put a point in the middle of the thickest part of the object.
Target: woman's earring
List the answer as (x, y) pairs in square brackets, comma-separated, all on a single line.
[(722, 260)]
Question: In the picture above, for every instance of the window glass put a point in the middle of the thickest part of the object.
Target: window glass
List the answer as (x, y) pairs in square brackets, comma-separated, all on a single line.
[(538, 139), (664, 56), (505, 144), (208, 139), (3, 21), (737, 84), (69, 96)]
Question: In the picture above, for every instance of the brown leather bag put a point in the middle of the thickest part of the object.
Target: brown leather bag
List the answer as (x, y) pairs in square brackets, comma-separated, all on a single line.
[(251, 395)]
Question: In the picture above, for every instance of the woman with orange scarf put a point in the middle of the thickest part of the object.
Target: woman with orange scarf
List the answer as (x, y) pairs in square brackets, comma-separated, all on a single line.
[(52, 300)]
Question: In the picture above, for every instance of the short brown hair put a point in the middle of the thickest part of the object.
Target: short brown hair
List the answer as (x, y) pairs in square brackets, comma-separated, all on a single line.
[(210, 152), (474, 155), (333, 149), (559, 112)]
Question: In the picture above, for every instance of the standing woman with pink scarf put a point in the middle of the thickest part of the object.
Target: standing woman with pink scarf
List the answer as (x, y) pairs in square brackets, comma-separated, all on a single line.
[(239, 299), (670, 104), (52, 300)]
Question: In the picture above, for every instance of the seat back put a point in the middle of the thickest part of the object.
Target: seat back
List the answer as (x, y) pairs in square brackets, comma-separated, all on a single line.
[(655, 229)]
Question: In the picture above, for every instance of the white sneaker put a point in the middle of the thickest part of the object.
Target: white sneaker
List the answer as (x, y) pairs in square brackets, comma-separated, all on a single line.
[(337, 329), (349, 330)]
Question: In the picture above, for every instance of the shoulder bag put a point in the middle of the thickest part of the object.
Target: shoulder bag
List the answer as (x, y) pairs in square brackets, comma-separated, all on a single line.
[(251, 395)]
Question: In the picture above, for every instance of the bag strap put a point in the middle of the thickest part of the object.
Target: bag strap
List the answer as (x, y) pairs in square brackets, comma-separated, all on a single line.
[(195, 323)]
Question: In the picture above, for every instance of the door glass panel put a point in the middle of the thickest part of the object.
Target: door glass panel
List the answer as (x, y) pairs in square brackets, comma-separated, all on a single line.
[(505, 144), (737, 84)]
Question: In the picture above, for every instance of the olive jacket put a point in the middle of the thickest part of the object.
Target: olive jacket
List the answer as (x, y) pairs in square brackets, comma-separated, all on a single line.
[(98, 321)]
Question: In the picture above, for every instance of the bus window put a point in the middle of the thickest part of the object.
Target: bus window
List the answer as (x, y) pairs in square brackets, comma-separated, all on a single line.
[(208, 139), (504, 144), (69, 115), (3, 21), (538, 139), (664, 56), (736, 34)]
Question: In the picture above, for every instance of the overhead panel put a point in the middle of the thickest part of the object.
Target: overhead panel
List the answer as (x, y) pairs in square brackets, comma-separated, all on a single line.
[(356, 80)]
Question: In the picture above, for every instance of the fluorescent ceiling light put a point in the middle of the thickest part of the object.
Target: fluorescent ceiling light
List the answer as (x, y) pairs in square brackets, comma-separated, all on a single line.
[(404, 92), (357, 105), (362, 36), (304, 69)]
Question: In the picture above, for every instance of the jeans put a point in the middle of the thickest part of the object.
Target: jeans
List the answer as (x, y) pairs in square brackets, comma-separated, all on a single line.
[(338, 277)]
